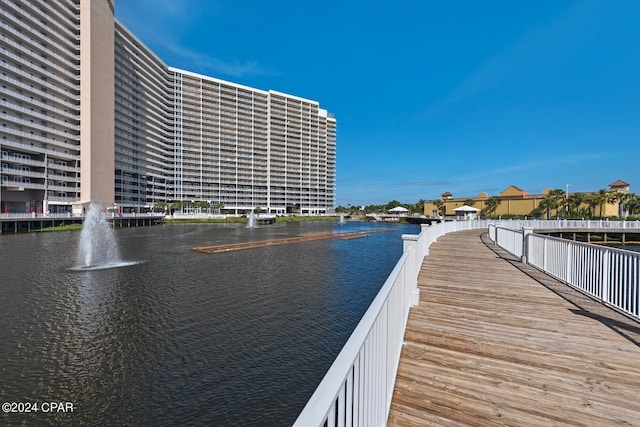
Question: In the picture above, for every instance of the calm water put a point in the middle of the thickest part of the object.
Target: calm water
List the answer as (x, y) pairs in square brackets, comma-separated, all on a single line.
[(182, 337), (634, 248)]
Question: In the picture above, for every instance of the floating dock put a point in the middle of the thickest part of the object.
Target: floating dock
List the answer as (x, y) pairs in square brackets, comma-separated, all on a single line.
[(311, 237)]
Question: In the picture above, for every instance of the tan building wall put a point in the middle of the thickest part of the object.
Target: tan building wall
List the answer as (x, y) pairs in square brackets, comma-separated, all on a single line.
[(97, 163), (518, 206), (506, 207), (514, 201)]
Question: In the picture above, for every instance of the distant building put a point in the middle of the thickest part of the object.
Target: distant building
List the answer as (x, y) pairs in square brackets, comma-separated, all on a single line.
[(466, 212), (517, 202), (88, 112)]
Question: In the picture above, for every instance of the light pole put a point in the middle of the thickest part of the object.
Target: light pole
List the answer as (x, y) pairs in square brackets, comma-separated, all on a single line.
[(566, 196)]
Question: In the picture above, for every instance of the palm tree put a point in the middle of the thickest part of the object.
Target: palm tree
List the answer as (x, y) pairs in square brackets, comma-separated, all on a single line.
[(492, 204), (574, 201), (585, 212), (602, 199), (199, 205), (159, 207), (392, 204), (553, 200), (620, 198), (593, 200), (176, 206), (549, 203), (633, 204), (440, 205), (559, 195)]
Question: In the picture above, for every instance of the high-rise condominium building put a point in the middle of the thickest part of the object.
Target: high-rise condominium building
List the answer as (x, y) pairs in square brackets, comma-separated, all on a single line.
[(88, 113)]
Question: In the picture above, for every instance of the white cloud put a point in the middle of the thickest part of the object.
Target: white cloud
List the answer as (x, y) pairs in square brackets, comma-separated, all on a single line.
[(205, 63), (532, 53), (145, 18)]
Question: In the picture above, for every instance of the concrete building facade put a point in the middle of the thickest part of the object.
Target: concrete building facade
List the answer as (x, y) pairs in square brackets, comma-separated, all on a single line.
[(90, 113), (40, 76)]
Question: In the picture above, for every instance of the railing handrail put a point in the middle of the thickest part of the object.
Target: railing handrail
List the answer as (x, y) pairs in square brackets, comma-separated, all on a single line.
[(568, 223), (585, 244)]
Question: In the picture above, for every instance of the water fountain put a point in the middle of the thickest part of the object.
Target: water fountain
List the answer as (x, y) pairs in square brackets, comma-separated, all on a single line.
[(341, 219), (252, 221), (98, 248)]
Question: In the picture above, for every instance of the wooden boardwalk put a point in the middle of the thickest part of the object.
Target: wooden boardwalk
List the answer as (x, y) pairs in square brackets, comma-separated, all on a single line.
[(497, 343)]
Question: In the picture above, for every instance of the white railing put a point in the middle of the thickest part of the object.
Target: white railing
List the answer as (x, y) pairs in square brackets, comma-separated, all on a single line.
[(508, 234), (508, 239), (568, 223), (358, 387), (610, 275), (47, 215)]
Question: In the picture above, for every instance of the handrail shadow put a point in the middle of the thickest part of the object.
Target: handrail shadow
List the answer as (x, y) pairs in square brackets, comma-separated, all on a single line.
[(585, 305)]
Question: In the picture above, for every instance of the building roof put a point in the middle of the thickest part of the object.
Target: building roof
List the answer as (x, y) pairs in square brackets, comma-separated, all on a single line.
[(398, 209), (618, 184), (465, 208), (513, 191)]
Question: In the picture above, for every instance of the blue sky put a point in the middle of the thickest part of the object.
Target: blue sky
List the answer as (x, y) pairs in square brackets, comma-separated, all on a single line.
[(431, 96)]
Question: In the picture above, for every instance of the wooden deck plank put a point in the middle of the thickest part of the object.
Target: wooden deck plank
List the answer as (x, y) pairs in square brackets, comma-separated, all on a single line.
[(491, 345)]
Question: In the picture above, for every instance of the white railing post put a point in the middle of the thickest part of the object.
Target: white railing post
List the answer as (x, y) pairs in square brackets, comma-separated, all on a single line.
[(569, 262), (410, 247), (606, 266), (424, 244), (525, 244)]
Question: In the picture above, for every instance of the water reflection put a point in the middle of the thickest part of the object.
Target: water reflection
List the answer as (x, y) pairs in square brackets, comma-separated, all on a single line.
[(184, 337)]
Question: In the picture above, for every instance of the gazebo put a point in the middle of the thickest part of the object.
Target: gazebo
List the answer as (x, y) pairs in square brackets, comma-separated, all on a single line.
[(466, 212), (399, 210)]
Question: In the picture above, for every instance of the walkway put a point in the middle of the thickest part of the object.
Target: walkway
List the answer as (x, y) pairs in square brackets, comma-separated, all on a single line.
[(490, 344)]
